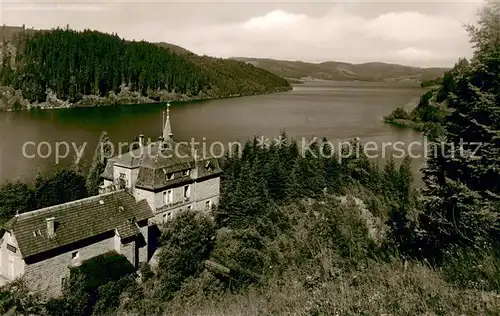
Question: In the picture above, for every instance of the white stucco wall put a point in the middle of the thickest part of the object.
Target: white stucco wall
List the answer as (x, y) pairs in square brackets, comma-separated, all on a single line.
[(127, 172), (207, 189), (11, 263), (149, 196)]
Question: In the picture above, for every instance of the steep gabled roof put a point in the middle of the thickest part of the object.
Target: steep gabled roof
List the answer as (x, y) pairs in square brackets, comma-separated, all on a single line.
[(155, 160), (153, 155), (78, 220)]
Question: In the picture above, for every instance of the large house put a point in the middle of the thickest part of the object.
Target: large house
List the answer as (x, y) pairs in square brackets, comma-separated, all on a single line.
[(169, 175), (142, 188), (42, 246)]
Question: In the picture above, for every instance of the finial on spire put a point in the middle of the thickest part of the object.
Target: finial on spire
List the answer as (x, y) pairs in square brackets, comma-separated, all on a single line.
[(167, 129)]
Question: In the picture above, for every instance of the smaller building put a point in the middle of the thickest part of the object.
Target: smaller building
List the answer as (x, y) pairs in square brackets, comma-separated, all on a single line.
[(43, 245)]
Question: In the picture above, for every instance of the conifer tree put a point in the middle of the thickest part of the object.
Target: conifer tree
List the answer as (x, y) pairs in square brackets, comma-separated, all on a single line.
[(463, 176)]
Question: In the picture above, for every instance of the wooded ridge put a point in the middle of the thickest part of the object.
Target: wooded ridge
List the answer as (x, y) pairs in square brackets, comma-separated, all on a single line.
[(63, 68), (341, 71)]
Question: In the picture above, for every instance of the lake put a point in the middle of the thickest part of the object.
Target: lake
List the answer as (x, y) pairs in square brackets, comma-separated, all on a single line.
[(335, 110)]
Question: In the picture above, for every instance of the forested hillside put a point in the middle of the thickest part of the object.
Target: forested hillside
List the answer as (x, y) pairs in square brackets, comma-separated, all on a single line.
[(317, 232), (332, 70), (429, 116), (67, 67)]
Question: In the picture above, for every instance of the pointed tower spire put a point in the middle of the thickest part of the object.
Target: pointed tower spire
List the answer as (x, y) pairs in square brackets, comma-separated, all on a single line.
[(167, 129)]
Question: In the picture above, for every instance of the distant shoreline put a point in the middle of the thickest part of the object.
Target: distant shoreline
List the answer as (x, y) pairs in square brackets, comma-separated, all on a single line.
[(141, 101), (419, 127)]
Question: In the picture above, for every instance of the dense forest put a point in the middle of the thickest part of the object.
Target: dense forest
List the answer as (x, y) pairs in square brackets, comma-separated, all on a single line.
[(69, 66)]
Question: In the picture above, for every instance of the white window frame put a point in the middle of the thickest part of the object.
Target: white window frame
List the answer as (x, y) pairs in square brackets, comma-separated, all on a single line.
[(185, 173), (187, 191), (208, 205), (167, 217), (168, 197)]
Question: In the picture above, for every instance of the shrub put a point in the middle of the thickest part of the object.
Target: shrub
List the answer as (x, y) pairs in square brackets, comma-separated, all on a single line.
[(398, 113)]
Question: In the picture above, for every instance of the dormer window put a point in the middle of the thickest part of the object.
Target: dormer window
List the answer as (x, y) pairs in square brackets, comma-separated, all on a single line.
[(185, 173), (169, 176)]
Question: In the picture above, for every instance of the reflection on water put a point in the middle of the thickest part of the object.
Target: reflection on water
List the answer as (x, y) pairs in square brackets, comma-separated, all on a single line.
[(331, 109)]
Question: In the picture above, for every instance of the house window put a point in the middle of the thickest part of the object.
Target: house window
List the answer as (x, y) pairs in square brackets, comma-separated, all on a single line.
[(169, 176), (167, 217), (11, 248), (187, 192), (75, 255), (185, 173), (167, 197), (188, 208), (208, 204), (122, 175)]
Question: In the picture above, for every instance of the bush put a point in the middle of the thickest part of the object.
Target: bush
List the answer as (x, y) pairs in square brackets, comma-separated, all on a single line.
[(398, 114), (185, 243)]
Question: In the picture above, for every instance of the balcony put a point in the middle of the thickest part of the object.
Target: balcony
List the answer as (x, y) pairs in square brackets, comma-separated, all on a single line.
[(185, 200)]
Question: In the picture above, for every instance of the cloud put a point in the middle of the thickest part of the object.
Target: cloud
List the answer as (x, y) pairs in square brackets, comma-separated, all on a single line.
[(399, 37), (413, 27), (53, 7), (412, 53), (274, 19)]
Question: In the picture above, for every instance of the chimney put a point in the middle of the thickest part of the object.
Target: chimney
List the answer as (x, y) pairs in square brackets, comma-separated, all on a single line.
[(50, 226), (162, 142), (141, 140)]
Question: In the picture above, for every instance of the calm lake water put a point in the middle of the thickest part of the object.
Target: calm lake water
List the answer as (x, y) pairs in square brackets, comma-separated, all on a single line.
[(336, 110)]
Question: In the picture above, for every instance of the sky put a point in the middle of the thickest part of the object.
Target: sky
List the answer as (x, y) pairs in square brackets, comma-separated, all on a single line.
[(424, 33)]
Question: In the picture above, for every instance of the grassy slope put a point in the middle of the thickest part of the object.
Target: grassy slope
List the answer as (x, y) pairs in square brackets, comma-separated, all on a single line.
[(329, 283), (381, 289)]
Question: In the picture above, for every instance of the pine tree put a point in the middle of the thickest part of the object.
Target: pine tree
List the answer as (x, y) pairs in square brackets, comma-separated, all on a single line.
[(463, 176)]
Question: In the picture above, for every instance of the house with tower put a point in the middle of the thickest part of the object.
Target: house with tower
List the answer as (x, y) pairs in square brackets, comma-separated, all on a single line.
[(143, 188), (171, 176)]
